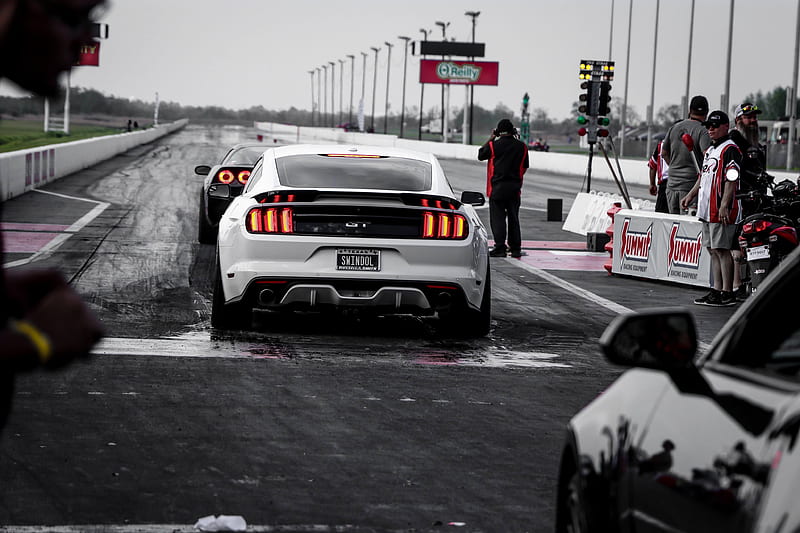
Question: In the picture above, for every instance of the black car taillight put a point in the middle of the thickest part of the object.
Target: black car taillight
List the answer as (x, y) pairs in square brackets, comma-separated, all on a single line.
[(226, 176), (438, 225), (270, 220)]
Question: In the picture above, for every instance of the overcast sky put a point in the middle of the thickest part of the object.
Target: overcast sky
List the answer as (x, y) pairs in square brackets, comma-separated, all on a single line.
[(241, 53)]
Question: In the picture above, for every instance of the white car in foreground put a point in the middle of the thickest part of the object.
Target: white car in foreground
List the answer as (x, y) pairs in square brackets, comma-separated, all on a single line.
[(332, 227)]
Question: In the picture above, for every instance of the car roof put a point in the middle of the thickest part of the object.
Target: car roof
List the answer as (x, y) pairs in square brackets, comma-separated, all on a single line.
[(251, 144), (354, 149)]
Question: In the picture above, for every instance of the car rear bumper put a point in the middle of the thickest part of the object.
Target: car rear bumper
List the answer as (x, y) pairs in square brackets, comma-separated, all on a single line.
[(301, 271)]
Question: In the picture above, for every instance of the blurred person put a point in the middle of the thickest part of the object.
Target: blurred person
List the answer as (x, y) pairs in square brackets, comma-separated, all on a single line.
[(718, 208), (659, 173), (508, 161), (43, 321), (754, 163), (682, 169)]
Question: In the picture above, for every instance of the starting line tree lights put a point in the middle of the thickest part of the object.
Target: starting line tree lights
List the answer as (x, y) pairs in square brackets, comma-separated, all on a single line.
[(525, 125), (594, 105)]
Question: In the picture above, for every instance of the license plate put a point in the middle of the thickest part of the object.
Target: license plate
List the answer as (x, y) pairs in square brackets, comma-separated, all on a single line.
[(759, 252), (358, 259)]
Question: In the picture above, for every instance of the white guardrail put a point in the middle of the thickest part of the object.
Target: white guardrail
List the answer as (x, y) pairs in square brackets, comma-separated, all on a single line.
[(23, 170), (644, 244)]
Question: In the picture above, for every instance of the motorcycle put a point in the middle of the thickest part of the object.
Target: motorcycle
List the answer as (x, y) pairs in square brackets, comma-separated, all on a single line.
[(770, 233)]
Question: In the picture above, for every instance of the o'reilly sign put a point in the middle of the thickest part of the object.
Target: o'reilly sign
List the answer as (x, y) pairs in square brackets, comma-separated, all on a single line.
[(459, 72)]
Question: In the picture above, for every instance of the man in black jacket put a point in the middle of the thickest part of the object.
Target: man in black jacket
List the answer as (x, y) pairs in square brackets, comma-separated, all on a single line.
[(508, 161), (754, 163)]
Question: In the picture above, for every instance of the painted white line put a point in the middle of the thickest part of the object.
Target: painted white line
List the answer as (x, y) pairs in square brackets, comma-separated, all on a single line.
[(85, 219), (175, 528), (78, 225), (206, 348), (583, 293), (574, 289)]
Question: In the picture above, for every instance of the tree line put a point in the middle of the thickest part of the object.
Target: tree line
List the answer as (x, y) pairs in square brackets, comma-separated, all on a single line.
[(93, 103)]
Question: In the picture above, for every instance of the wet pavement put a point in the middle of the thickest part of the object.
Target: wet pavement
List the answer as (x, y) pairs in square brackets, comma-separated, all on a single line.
[(309, 422)]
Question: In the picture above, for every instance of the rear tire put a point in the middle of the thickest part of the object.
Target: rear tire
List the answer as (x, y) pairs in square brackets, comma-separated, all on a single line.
[(228, 316), (206, 233), (468, 322)]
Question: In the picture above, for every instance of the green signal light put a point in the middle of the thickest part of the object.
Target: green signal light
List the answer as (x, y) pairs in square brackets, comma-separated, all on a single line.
[(603, 121), (582, 120)]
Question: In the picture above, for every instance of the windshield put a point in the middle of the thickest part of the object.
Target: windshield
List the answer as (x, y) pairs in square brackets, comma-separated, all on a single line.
[(354, 172)]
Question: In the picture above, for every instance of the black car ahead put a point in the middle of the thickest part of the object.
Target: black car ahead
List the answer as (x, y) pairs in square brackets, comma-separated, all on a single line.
[(681, 444), (223, 182)]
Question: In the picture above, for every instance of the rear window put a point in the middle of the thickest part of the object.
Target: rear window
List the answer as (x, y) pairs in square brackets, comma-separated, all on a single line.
[(244, 156), (349, 172)]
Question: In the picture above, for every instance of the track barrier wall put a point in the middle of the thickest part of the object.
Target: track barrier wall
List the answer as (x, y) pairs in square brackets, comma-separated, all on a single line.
[(24, 170)]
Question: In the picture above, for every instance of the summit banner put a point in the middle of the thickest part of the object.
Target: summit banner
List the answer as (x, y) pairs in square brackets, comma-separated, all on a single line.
[(660, 246), (459, 72)]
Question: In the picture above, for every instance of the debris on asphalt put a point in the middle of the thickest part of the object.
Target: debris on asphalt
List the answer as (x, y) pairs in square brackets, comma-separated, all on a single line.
[(221, 523)]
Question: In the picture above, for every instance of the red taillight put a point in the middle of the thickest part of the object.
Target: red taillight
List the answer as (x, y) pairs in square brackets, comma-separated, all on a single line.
[(443, 225), (270, 220), (278, 198), (225, 177), (243, 176), (437, 203), (755, 226)]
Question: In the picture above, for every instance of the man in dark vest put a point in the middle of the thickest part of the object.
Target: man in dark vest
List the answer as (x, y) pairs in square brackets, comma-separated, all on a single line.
[(508, 161)]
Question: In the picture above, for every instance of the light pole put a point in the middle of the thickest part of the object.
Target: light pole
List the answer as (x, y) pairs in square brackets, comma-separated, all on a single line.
[(319, 96), (689, 63), (352, 78), (341, 77), (444, 26), (325, 100), (421, 90), (627, 77), (312, 97), (363, 83), (388, 70), (653, 83), (611, 31), (405, 64), (474, 15), (333, 92), (374, 86), (726, 98)]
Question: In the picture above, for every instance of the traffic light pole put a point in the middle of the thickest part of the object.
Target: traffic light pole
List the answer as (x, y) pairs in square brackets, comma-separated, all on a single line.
[(595, 79)]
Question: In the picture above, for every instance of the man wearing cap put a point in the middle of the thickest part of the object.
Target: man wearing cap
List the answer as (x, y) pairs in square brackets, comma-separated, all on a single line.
[(754, 163), (754, 154), (718, 208), (683, 162), (508, 161)]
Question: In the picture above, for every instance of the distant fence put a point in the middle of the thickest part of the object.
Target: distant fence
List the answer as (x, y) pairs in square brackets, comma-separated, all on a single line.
[(634, 171)]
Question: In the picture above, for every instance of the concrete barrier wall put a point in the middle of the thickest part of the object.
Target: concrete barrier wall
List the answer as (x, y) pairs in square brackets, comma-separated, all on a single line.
[(23, 170), (634, 171)]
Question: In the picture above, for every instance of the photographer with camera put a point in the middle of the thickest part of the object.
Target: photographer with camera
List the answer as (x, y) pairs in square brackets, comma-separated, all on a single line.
[(44, 322), (508, 161)]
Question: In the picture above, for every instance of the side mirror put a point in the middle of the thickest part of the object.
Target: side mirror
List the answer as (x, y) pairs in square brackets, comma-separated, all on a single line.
[(219, 191), (664, 339), (473, 198), (202, 170)]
